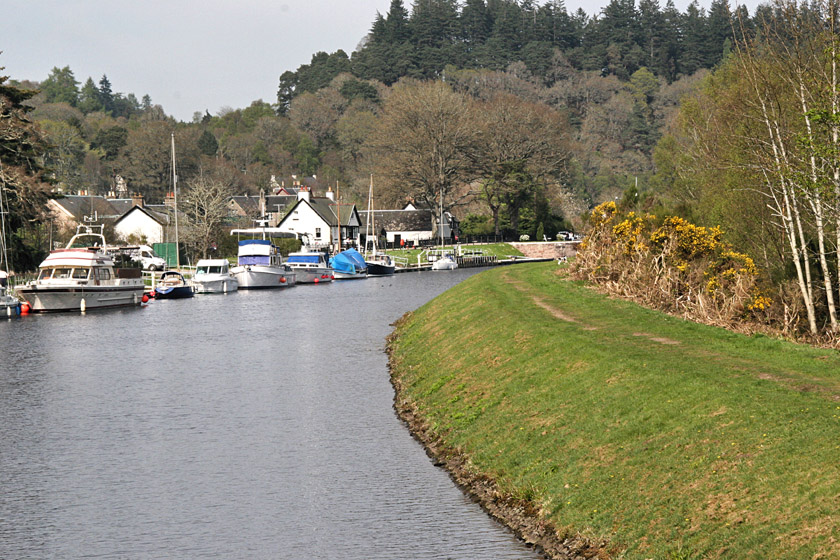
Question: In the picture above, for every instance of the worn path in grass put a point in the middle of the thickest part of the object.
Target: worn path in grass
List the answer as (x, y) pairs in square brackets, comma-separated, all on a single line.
[(620, 431)]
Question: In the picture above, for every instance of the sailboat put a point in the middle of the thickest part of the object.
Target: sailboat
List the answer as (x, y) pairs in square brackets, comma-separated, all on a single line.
[(378, 264), (8, 300), (172, 284), (447, 261)]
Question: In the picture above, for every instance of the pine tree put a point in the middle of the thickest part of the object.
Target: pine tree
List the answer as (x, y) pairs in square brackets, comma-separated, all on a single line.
[(719, 32), (396, 28), (89, 100), (61, 86), (695, 39), (207, 143), (106, 95)]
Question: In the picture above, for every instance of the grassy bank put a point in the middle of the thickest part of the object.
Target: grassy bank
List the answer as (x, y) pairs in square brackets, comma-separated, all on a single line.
[(664, 438)]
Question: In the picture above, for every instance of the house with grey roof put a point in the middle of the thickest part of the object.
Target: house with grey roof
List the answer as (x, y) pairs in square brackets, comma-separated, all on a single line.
[(412, 225), (322, 221), (271, 207)]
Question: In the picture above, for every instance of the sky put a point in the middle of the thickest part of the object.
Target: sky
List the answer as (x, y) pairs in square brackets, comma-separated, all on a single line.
[(190, 55)]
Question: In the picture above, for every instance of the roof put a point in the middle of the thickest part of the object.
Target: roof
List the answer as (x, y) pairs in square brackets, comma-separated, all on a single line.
[(107, 209), (399, 220), (251, 204), (328, 209), (157, 213)]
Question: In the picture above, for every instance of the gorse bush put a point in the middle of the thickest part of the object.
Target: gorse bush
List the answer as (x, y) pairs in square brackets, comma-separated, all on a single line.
[(673, 265)]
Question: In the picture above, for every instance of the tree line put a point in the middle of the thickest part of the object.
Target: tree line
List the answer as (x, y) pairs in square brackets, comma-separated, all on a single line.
[(493, 34)]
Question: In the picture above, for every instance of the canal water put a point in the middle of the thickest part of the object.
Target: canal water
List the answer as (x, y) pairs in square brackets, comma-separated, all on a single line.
[(249, 425)]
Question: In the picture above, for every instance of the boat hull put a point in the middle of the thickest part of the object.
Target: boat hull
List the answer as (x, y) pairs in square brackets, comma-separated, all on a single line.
[(313, 275), (444, 264), (177, 292), (377, 269), (349, 275), (9, 305), (49, 299), (215, 285), (263, 277)]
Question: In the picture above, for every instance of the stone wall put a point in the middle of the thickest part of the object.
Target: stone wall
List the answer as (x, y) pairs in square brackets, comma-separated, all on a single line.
[(547, 250)]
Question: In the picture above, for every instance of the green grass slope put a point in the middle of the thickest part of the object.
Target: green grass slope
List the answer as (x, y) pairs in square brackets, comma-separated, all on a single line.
[(667, 439)]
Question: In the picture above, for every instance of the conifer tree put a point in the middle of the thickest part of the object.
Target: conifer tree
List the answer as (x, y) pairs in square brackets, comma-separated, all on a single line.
[(61, 86), (89, 100)]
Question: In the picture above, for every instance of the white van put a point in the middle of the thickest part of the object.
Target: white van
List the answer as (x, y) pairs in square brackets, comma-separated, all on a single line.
[(146, 255)]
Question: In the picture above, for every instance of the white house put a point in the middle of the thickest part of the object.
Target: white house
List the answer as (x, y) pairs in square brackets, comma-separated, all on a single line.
[(318, 219), (410, 225), (143, 224)]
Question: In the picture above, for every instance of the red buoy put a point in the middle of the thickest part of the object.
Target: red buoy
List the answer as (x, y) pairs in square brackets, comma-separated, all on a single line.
[(25, 308), (145, 298), (317, 280), (282, 280)]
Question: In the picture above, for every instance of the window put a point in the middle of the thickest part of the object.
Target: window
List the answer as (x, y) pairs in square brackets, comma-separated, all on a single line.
[(318, 232), (80, 273)]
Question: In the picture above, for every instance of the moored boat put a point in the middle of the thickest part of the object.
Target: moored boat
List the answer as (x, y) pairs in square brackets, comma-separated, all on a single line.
[(260, 265), (172, 285), (380, 264), (349, 265), (311, 267), (82, 276), (213, 276), (446, 262)]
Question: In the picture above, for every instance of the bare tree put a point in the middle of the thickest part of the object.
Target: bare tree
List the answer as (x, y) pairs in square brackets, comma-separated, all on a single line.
[(521, 142), (424, 145), (205, 206)]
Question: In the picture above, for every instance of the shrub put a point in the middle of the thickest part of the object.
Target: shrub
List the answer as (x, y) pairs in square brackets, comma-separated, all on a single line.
[(676, 266)]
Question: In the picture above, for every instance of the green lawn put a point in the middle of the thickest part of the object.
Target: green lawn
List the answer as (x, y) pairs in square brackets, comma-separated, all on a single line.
[(668, 439)]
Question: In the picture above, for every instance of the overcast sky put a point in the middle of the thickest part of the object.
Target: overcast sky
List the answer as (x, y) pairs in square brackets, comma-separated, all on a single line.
[(190, 55)]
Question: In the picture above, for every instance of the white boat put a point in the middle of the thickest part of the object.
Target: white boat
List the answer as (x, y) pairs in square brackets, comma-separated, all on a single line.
[(259, 262), (311, 267), (260, 265), (446, 262), (213, 276), (82, 276)]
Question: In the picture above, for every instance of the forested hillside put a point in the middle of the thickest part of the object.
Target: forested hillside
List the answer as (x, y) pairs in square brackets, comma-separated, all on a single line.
[(614, 78)]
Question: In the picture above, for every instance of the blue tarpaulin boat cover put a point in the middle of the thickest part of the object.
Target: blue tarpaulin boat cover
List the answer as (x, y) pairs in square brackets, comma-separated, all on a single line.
[(350, 261)]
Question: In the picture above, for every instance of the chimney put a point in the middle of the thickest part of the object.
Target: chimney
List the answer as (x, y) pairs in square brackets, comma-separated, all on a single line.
[(137, 200), (169, 201), (330, 194), (303, 194)]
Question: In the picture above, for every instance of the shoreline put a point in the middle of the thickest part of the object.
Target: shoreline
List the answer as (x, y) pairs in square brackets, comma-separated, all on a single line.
[(519, 515)]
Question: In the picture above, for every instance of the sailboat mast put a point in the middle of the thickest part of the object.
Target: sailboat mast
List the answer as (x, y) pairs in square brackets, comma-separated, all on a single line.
[(175, 193), (373, 217), (369, 218), (338, 206), (3, 222), (440, 225)]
